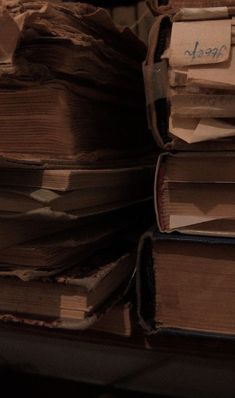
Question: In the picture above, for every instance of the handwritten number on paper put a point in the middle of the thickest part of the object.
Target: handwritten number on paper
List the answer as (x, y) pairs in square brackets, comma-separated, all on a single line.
[(197, 52)]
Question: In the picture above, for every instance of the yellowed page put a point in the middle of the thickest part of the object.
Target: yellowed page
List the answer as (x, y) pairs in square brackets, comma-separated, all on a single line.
[(200, 42), (180, 221), (217, 75), (190, 14), (194, 130)]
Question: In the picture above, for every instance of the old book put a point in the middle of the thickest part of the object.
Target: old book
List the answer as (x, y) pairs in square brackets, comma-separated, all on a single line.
[(186, 283), (85, 201), (69, 298), (85, 120), (68, 179), (194, 193), (120, 319), (97, 190), (55, 252), (15, 229)]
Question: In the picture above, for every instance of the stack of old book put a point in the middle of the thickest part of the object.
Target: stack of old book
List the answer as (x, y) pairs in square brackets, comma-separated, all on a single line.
[(76, 164), (188, 264)]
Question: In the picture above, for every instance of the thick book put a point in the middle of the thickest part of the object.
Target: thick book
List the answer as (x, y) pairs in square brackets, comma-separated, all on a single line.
[(185, 283), (119, 319), (108, 190), (72, 177), (190, 91), (67, 122), (73, 299), (195, 193), (60, 87), (53, 253)]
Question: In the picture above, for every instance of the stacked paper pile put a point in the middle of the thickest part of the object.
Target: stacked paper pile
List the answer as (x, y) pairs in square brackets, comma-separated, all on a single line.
[(68, 80), (186, 266), (76, 164), (201, 78)]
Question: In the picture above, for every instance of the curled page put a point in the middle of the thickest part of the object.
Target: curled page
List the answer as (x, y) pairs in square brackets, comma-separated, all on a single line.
[(11, 27), (194, 130), (216, 76)]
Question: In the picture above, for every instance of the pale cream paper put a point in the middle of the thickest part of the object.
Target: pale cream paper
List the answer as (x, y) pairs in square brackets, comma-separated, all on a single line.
[(176, 221), (200, 42), (221, 75), (194, 130)]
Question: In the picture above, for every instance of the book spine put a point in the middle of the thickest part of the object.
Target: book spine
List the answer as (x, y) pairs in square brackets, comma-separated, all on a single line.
[(145, 283)]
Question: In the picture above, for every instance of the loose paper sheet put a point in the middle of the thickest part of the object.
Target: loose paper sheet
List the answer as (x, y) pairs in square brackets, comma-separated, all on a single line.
[(181, 221), (190, 14), (221, 75), (194, 130), (200, 42)]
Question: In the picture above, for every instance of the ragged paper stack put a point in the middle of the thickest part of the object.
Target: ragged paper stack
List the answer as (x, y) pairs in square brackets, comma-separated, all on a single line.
[(188, 261), (76, 164), (68, 79), (201, 79)]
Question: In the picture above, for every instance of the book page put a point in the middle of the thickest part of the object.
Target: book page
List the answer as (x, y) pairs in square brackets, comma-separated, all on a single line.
[(200, 42), (221, 75), (195, 130)]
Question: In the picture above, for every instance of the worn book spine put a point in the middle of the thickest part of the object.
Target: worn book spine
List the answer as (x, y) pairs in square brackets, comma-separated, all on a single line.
[(145, 283)]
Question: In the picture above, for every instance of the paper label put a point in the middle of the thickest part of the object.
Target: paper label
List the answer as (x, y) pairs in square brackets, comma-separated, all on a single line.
[(200, 42), (182, 221)]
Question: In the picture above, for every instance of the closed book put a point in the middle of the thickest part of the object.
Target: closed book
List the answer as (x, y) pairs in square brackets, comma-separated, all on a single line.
[(63, 123), (55, 252), (109, 189), (72, 299), (72, 177), (194, 193), (185, 283)]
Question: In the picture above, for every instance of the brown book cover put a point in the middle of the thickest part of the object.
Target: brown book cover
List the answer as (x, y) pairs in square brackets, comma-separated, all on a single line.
[(185, 283), (56, 252), (74, 299)]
